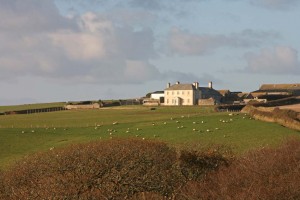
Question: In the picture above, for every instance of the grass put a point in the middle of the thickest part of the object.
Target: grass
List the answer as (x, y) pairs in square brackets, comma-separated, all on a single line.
[(57, 129)]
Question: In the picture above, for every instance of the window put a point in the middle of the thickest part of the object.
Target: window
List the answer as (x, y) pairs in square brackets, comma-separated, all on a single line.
[(188, 93), (188, 100), (182, 92), (167, 101), (177, 92), (172, 93), (167, 93)]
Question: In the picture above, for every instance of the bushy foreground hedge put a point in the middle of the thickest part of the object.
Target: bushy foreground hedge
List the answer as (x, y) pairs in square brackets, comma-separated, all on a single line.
[(137, 169), (272, 174), (117, 169)]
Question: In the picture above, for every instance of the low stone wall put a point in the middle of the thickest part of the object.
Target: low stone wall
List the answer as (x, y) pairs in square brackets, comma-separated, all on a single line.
[(89, 106), (287, 118)]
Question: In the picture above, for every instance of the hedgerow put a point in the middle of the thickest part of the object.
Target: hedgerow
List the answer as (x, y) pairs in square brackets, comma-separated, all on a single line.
[(117, 169), (262, 174), (136, 169)]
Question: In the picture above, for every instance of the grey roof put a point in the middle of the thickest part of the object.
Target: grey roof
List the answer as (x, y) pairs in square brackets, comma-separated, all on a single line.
[(295, 86), (158, 92), (210, 91), (182, 87)]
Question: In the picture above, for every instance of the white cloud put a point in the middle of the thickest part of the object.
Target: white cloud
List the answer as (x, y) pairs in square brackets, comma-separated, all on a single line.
[(185, 43), (275, 4), (279, 60)]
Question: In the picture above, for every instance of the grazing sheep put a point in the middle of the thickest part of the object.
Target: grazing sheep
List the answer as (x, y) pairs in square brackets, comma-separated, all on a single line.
[(165, 122), (23, 131), (177, 121), (137, 129), (136, 135), (143, 138), (127, 131), (115, 123), (194, 122), (96, 128), (194, 129), (51, 148), (110, 133), (217, 128), (202, 122), (32, 131), (207, 130)]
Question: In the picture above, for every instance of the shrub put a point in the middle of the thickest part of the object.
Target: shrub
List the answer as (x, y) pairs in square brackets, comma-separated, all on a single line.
[(111, 170), (262, 174), (194, 165)]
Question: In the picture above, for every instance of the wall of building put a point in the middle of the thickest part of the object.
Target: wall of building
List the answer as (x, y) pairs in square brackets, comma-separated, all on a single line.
[(179, 97), (157, 96), (206, 102)]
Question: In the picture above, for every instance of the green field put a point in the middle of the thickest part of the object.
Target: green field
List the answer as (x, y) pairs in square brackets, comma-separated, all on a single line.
[(21, 135)]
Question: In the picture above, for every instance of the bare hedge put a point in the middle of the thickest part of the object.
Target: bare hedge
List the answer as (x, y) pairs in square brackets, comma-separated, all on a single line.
[(117, 169)]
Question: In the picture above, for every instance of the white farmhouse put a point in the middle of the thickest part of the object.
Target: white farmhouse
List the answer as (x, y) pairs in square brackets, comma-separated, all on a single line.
[(191, 94), (182, 94)]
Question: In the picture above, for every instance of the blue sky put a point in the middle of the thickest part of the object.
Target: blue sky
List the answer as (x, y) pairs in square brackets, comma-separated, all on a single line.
[(64, 50)]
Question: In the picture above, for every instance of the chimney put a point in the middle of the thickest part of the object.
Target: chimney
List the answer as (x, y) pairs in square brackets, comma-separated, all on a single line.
[(168, 85), (177, 82), (197, 85), (210, 85)]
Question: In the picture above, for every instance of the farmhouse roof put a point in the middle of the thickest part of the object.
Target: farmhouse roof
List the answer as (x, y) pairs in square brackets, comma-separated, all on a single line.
[(182, 87), (223, 92), (267, 87), (210, 91), (158, 92)]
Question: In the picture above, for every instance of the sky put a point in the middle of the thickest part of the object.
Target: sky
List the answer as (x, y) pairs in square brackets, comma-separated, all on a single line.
[(69, 50)]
